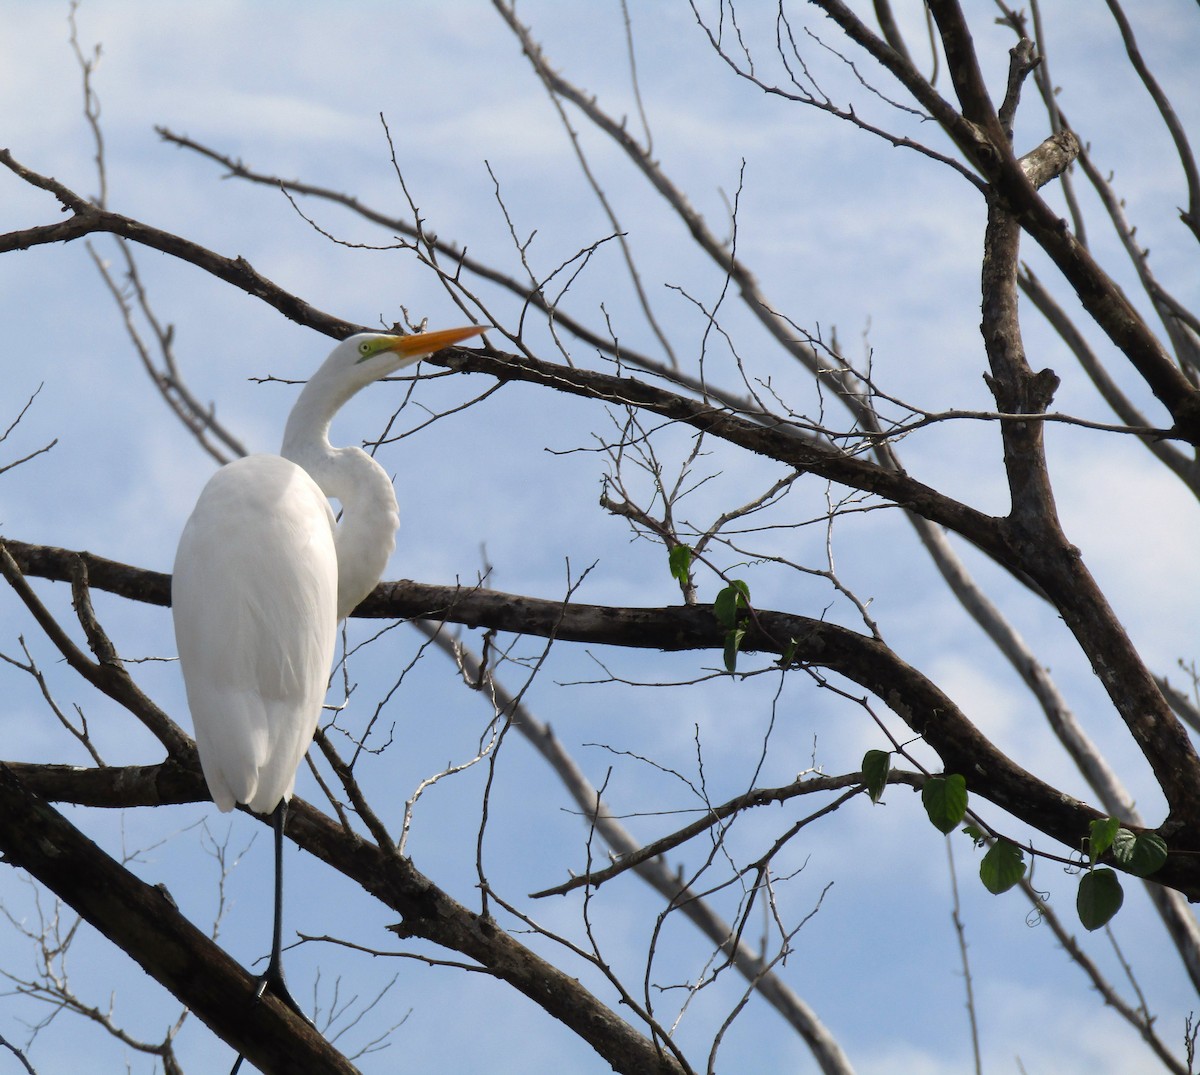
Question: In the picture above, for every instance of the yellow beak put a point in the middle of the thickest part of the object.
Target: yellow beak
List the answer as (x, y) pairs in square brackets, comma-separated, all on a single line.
[(426, 343)]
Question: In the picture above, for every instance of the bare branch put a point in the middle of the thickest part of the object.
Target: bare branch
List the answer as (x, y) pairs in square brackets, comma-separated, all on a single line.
[(107, 673), (1191, 217), (144, 922), (88, 219)]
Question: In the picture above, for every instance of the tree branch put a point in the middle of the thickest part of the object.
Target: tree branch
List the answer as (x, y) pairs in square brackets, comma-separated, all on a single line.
[(107, 674), (143, 921), (133, 915), (979, 135), (926, 709), (89, 219)]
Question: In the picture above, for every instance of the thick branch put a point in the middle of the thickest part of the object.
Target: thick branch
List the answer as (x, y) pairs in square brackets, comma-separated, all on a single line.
[(963, 66), (861, 659), (431, 914), (781, 442), (978, 134), (113, 787), (143, 921), (1033, 525), (1017, 389), (89, 219), (139, 919)]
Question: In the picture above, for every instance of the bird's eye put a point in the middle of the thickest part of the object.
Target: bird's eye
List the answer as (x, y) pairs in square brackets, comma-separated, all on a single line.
[(364, 348)]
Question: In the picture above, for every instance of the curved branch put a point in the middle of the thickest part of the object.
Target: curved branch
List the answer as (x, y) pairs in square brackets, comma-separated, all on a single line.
[(1185, 468), (1191, 217), (428, 912), (143, 920), (779, 441), (782, 442), (864, 660), (65, 861), (654, 871), (979, 135), (88, 219), (107, 674)]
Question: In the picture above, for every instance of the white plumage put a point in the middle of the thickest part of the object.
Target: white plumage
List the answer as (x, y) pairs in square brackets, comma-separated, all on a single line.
[(263, 576), (255, 597)]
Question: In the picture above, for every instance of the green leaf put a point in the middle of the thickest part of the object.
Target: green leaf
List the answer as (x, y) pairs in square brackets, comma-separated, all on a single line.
[(1140, 854), (680, 559), (1102, 835), (945, 801), (733, 642), (789, 653), (1099, 898), (976, 834), (729, 601), (875, 767), (1149, 854), (1002, 867)]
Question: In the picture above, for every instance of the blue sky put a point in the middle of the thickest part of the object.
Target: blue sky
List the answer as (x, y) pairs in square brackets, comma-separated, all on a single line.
[(842, 232)]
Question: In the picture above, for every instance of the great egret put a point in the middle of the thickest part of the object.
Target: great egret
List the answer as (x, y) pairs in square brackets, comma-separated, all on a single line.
[(262, 578)]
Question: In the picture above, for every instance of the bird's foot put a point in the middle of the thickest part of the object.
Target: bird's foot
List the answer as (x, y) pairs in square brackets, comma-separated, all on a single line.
[(272, 982)]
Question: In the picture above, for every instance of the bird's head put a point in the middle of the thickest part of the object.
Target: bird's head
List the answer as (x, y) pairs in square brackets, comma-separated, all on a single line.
[(351, 366), (372, 355)]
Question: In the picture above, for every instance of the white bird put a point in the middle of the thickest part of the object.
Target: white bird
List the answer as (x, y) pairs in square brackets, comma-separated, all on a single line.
[(263, 576)]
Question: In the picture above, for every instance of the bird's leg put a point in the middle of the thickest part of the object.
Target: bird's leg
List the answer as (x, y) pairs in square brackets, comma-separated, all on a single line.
[(272, 978)]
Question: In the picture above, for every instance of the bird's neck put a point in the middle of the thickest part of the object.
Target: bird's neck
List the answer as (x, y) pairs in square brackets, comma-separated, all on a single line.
[(366, 535), (307, 429)]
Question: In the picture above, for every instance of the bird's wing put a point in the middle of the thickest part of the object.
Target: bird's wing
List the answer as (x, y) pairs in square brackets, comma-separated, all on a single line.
[(254, 596)]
